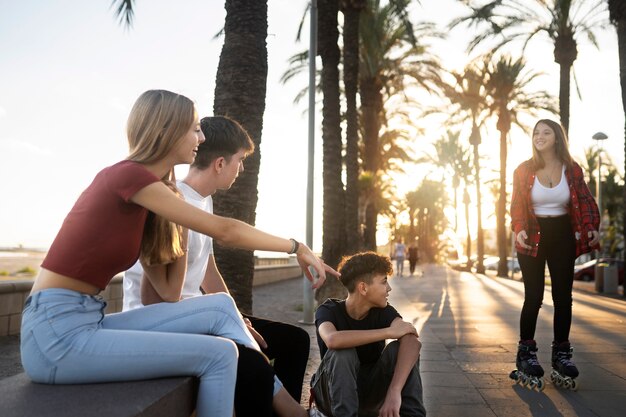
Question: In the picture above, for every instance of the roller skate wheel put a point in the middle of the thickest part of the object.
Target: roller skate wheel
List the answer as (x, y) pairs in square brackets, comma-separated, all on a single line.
[(541, 384), (532, 383), (567, 384), (574, 385), (524, 380), (514, 375)]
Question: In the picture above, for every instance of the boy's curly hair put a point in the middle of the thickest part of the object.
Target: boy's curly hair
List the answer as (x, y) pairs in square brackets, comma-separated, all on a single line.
[(362, 267)]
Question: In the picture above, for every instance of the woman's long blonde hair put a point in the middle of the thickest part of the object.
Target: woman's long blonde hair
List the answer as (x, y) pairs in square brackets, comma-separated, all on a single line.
[(157, 122)]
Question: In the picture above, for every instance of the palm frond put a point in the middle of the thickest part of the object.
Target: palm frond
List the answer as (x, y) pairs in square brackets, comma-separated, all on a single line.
[(124, 11)]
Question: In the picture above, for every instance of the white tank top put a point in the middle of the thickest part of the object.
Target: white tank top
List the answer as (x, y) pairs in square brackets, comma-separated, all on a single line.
[(550, 201)]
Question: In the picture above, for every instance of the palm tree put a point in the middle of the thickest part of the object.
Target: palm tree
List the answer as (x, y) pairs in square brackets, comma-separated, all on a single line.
[(333, 234), (590, 166), (389, 61), (449, 155), (562, 21), (617, 14), (507, 86), (351, 10), (468, 99), (243, 99), (427, 203)]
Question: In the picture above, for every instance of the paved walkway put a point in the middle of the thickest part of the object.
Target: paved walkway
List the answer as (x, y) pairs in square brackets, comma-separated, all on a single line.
[(468, 324), (469, 328)]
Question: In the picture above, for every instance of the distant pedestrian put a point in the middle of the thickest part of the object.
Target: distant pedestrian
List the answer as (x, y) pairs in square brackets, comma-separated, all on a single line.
[(555, 219), (399, 254), (413, 257)]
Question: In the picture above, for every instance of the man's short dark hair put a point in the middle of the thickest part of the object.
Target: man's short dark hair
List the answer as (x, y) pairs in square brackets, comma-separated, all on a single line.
[(363, 266), (224, 137)]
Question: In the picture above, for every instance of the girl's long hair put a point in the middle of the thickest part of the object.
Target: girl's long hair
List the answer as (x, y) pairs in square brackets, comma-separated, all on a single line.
[(157, 122), (162, 240)]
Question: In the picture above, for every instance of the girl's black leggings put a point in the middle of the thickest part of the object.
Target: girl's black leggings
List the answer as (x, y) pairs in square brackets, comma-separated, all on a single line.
[(557, 247)]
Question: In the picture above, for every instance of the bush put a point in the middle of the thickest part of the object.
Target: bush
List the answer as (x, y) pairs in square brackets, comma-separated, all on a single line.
[(27, 270)]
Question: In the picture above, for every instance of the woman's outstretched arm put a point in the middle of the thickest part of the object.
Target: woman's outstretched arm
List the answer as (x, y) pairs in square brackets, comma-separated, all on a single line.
[(158, 198)]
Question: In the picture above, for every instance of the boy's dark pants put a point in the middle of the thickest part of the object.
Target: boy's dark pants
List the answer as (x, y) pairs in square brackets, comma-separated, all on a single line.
[(343, 387), (288, 346)]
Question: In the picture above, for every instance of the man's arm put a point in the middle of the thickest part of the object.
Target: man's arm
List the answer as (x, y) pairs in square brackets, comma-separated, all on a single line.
[(343, 339), (213, 281), (408, 353)]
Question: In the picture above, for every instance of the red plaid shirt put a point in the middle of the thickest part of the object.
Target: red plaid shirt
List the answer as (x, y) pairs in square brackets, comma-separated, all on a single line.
[(582, 208)]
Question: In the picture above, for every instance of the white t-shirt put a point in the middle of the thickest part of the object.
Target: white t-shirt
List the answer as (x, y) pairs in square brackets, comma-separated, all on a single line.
[(400, 250), (200, 247)]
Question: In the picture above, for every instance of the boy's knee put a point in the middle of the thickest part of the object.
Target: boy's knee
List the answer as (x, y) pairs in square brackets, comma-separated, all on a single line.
[(342, 357)]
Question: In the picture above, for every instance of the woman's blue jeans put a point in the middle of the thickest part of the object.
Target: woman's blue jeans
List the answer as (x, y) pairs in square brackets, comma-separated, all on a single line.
[(67, 339)]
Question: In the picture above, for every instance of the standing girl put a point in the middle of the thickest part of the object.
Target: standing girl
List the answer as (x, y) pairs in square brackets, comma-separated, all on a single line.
[(555, 219), (67, 338)]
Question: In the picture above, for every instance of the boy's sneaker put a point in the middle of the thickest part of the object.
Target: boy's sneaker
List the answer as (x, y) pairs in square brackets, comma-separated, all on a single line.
[(314, 412)]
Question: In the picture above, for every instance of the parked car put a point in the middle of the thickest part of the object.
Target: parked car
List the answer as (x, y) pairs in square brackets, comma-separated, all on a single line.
[(461, 264), (587, 271), (491, 264)]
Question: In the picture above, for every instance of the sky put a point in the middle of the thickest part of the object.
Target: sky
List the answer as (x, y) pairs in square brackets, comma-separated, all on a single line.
[(70, 73)]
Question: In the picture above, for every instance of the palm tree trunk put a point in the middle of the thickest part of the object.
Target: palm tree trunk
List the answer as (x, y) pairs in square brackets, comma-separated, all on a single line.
[(240, 93), (564, 91), (480, 238), (503, 267), (618, 16), (371, 108), (565, 53), (466, 203), (350, 79), (333, 238)]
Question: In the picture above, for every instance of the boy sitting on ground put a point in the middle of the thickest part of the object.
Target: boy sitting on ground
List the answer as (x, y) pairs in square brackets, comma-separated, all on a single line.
[(359, 375)]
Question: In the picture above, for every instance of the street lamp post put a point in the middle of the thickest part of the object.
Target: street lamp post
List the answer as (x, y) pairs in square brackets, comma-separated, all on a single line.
[(307, 291)]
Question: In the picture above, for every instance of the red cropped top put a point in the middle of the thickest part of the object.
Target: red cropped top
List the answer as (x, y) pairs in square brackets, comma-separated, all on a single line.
[(101, 235)]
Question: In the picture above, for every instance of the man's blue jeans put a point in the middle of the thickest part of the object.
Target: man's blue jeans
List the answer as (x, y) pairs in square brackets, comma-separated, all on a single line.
[(67, 339)]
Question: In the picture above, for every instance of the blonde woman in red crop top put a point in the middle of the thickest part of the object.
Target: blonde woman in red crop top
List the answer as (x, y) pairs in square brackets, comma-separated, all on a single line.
[(67, 338)]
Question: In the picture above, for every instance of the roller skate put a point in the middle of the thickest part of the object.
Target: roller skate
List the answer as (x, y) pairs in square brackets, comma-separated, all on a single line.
[(564, 371), (529, 372)]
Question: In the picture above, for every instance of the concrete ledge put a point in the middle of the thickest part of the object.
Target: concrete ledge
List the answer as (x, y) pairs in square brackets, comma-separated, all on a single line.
[(267, 274), (13, 294), (167, 397)]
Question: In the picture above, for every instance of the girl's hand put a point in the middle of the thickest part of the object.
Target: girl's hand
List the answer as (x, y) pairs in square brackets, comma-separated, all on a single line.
[(521, 239), (306, 258), (596, 237)]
